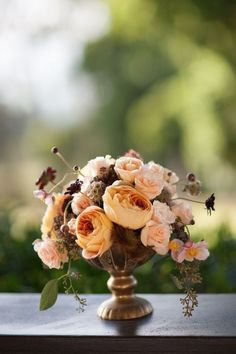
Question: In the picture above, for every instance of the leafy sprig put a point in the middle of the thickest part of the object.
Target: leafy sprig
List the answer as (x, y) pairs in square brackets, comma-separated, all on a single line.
[(188, 275), (50, 291)]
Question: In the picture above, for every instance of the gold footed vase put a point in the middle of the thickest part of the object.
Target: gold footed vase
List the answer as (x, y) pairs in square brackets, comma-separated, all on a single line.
[(120, 261), (124, 304)]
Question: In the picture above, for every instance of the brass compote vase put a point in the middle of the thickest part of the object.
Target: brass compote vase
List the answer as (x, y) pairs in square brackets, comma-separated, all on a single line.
[(120, 261)]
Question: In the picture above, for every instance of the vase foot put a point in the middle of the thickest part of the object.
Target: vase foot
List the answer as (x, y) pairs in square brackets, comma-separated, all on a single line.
[(124, 308)]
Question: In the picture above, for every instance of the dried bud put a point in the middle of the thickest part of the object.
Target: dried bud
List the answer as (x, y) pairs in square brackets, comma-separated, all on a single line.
[(133, 153), (191, 177), (193, 188), (64, 229), (96, 191), (54, 150), (74, 187), (210, 203)]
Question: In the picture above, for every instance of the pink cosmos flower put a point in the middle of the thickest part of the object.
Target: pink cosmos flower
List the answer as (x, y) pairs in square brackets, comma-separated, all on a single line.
[(175, 246), (188, 251), (44, 196)]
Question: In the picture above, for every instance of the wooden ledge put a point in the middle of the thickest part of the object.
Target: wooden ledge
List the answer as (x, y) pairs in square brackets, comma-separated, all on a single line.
[(24, 329)]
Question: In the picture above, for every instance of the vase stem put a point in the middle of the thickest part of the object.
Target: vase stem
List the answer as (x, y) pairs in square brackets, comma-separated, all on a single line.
[(121, 284), (123, 304)]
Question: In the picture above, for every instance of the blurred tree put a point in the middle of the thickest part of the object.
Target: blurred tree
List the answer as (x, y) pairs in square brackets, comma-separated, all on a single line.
[(166, 83)]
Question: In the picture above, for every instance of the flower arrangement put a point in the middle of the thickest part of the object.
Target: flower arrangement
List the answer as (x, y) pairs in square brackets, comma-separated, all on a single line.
[(124, 201)]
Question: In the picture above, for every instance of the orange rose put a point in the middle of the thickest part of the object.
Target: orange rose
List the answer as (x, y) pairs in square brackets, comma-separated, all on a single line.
[(93, 231)]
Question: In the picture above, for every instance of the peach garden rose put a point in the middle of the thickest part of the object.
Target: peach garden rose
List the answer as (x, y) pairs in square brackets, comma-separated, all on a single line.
[(53, 210), (93, 231), (127, 207)]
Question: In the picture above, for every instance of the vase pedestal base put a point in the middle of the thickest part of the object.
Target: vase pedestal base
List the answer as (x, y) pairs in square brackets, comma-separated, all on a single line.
[(124, 308)]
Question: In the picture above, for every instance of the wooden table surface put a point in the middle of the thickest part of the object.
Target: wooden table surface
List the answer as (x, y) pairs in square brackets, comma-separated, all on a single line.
[(24, 329)]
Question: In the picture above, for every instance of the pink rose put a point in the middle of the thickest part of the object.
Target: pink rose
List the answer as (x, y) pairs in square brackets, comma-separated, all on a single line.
[(128, 167), (183, 210), (157, 236), (162, 213), (80, 202), (51, 253), (148, 182)]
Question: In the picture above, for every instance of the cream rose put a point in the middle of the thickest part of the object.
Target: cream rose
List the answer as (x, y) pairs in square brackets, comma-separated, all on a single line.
[(157, 236), (128, 167), (162, 213), (183, 210), (148, 182), (157, 169), (51, 253), (126, 206), (93, 167), (93, 231), (80, 202)]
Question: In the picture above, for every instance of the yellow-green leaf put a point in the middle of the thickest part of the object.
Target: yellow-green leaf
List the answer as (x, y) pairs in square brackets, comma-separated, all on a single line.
[(49, 294)]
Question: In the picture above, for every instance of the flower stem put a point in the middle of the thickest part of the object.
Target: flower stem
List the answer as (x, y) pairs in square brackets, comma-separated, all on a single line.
[(65, 211), (190, 200), (61, 181)]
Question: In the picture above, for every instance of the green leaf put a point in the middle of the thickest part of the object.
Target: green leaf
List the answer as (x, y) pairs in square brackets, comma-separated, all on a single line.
[(49, 294)]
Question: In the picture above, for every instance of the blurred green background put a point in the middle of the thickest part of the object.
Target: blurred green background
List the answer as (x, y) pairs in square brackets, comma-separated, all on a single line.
[(99, 77)]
